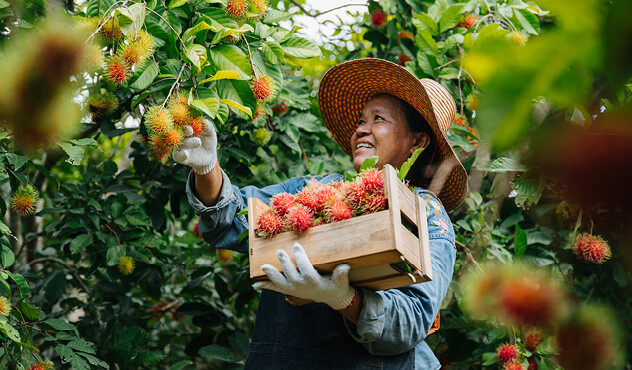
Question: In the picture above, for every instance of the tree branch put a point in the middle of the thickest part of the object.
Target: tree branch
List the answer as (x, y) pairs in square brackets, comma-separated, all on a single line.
[(72, 271), (318, 14)]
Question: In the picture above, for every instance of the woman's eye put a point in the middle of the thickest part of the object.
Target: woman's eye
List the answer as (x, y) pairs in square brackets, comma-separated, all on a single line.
[(378, 118), (361, 122)]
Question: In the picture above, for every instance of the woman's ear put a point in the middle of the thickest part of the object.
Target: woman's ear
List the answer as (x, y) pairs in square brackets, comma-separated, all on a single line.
[(420, 140)]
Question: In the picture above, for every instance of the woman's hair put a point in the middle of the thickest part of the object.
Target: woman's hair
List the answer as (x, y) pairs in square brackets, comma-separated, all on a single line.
[(422, 168)]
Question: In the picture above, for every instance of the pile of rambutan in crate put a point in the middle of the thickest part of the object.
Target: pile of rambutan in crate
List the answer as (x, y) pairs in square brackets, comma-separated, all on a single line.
[(374, 223)]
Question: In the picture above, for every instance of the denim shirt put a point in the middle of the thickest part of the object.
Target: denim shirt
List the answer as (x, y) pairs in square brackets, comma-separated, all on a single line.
[(392, 325)]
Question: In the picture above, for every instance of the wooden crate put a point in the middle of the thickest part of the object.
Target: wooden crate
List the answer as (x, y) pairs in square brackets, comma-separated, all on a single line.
[(368, 243)]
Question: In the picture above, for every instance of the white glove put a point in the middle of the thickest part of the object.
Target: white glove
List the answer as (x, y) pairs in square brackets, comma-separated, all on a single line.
[(198, 152), (333, 290)]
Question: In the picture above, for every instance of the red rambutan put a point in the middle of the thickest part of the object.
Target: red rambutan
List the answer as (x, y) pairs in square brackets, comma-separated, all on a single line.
[(513, 365), (533, 364), (268, 224), (197, 125), (282, 202), (237, 8), (527, 300), (378, 19), (373, 180), (404, 35), (375, 202), (591, 248), (116, 71), (196, 229), (355, 196), (507, 352), (323, 196), (468, 21), (262, 87), (299, 218), (280, 109), (531, 340), (338, 211)]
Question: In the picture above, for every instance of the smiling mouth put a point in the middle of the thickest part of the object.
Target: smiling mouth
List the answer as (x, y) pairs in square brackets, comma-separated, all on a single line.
[(364, 146)]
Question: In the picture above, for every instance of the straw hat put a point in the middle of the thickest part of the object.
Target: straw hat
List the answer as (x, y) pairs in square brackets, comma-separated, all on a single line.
[(345, 89)]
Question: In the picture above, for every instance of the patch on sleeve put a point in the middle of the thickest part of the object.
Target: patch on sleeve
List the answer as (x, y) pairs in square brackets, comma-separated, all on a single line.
[(433, 207)]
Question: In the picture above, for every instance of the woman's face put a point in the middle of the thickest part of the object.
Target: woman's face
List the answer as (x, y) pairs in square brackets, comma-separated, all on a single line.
[(382, 131)]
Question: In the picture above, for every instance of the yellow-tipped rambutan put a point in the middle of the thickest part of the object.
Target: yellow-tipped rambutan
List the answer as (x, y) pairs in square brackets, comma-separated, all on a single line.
[(116, 71), (24, 200), (131, 53), (172, 138), (94, 59), (180, 113), (261, 136), (111, 30), (87, 25), (5, 306), (126, 265), (102, 104), (263, 87), (158, 120), (518, 37), (262, 6), (472, 101), (158, 148), (146, 43), (225, 255)]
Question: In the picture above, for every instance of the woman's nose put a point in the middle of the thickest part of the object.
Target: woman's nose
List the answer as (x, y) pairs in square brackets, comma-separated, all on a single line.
[(363, 129)]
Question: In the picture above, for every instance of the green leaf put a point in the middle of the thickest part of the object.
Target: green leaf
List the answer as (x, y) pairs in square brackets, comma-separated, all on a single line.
[(75, 153), (276, 16), (9, 330), (20, 281), (131, 18), (5, 230), (273, 52), (505, 164), (237, 106), (82, 345), (6, 256), (217, 352), (406, 166), (79, 242), (59, 324), (450, 17), (148, 358), (176, 3), (17, 161), (369, 163), (239, 341), (239, 92), (423, 22), (30, 313), (221, 75), (146, 78), (68, 356), (113, 255), (426, 43), (520, 241), (51, 178), (5, 285), (528, 20), (208, 106), (301, 48), (93, 360), (201, 26), (196, 54), (489, 358), (181, 365), (230, 58)]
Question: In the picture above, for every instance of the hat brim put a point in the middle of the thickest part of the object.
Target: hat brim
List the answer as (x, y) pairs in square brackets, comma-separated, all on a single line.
[(344, 91)]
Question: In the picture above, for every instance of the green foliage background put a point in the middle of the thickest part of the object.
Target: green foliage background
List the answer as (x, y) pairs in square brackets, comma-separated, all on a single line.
[(104, 197)]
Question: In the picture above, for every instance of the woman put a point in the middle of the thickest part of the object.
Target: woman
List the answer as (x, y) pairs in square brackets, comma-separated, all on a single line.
[(373, 108)]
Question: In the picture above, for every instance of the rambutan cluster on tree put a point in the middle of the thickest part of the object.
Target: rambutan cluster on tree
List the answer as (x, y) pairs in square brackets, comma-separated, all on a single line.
[(102, 264)]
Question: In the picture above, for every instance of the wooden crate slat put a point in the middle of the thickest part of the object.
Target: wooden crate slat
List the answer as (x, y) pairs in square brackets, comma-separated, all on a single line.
[(424, 243)]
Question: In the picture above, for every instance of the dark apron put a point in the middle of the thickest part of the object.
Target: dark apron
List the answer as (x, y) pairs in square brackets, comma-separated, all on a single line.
[(307, 337)]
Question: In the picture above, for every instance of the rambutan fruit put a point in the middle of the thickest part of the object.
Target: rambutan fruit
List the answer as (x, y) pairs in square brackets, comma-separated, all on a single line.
[(145, 43), (404, 35), (472, 101), (102, 104), (507, 352), (5, 306), (468, 21), (323, 196), (299, 218), (111, 30), (588, 340), (529, 299), (402, 59), (24, 200), (197, 125), (131, 53), (306, 195), (158, 119), (126, 265), (338, 211), (355, 196), (178, 99), (172, 138), (158, 148), (262, 6), (263, 87), (531, 340), (280, 109), (460, 120), (196, 229), (116, 71), (513, 365), (591, 248), (518, 37), (533, 364), (268, 224), (282, 202), (373, 180), (224, 255), (86, 25), (94, 59), (237, 8), (375, 202), (378, 19), (180, 113), (261, 136)]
